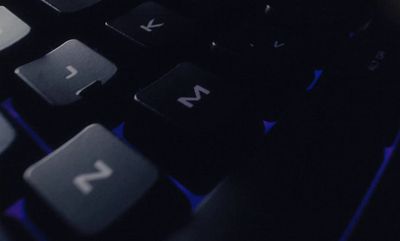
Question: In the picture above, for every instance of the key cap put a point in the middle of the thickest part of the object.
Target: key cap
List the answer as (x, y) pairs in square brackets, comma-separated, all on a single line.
[(12, 29), (61, 76), (153, 25), (94, 180), (70, 6), (186, 97), (192, 111)]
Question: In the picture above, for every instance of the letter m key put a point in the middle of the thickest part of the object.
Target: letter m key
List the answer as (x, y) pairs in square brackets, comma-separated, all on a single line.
[(83, 181), (198, 91)]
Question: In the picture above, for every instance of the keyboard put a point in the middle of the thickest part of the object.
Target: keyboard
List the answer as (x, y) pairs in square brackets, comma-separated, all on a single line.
[(191, 120)]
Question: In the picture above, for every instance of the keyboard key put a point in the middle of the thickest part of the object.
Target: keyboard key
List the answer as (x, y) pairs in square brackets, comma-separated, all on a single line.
[(70, 6), (153, 25), (198, 125), (92, 181), (12, 29), (193, 111), (61, 76), (84, 172), (190, 97)]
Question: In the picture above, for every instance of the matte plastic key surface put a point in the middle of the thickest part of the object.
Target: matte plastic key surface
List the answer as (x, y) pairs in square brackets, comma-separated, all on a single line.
[(153, 25), (195, 118), (320, 161), (92, 180), (12, 29), (61, 76), (95, 187), (188, 96)]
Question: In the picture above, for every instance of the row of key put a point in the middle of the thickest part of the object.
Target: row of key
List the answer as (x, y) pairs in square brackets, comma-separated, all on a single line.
[(195, 92)]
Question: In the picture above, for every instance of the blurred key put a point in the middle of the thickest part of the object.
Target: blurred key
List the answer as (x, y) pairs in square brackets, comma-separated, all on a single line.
[(64, 74), (94, 181), (153, 25), (12, 29)]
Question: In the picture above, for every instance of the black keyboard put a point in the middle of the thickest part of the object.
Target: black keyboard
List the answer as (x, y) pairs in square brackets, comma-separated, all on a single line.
[(191, 120)]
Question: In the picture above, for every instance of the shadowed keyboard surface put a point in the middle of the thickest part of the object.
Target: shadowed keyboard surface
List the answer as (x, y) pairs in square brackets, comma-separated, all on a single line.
[(192, 120)]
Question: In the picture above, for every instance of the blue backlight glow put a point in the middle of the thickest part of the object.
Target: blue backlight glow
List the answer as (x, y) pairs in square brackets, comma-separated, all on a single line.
[(268, 126), (387, 157), (317, 76), (194, 199), (18, 212)]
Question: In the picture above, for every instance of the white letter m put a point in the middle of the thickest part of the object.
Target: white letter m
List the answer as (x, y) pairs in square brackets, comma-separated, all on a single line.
[(198, 90)]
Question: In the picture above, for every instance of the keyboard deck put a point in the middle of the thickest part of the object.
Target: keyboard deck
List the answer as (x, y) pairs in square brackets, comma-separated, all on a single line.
[(191, 120)]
